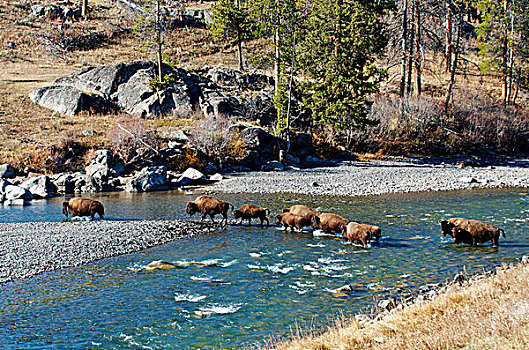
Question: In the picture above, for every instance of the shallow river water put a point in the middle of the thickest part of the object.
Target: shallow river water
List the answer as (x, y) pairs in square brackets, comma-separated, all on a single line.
[(247, 284)]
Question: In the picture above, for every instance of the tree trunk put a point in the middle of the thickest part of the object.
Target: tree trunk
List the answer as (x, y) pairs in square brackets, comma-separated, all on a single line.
[(277, 56), (448, 36), (404, 48), (504, 60), (84, 9), (411, 54), (454, 65), (239, 50), (418, 53)]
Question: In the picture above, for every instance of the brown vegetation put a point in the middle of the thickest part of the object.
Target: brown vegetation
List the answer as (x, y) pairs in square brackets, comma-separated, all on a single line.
[(489, 314)]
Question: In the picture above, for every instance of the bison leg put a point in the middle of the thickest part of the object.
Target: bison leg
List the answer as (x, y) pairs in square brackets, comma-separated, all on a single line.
[(249, 221), (267, 222)]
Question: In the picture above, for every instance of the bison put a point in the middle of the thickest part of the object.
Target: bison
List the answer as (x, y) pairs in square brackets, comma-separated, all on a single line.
[(209, 205), (302, 210), (250, 211), (292, 220), (79, 206), (376, 232), (356, 233), (329, 223), (471, 231)]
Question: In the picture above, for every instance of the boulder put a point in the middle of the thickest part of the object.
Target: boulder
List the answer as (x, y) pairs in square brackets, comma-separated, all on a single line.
[(7, 171), (273, 166), (261, 147), (149, 179), (40, 186), (102, 81), (136, 97), (65, 183), (3, 185), (17, 192), (104, 166), (17, 202), (216, 177), (215, 102), (468, 179), (65, 100), (191, 177)]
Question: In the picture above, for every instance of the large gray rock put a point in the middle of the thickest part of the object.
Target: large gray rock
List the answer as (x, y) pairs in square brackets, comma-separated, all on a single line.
[(64, 182), (104, 166), (39, 186), (191, 177), (136, 98), (102, 81), (149, 179), (7, 171), (214, 102), (17, 202), (261, 147), (3, 185), (64, 100), (17, 192)]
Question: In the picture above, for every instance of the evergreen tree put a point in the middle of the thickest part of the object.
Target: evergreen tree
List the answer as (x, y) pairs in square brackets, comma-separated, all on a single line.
[(342, 43), (282, 22), (231, 23), (503, 35)]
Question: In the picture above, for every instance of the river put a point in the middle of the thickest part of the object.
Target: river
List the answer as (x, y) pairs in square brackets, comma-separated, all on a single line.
[(245, 284)]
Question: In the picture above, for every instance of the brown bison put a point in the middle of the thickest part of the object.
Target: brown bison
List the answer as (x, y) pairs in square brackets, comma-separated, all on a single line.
[(250, 211), (329, 223), (376, 232), (356, 233), (209, 205), (471, 231), (302, 210), (79, 206), (292, 220)]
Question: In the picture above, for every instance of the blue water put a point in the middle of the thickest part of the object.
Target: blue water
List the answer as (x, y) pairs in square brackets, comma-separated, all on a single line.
[(246, 284)]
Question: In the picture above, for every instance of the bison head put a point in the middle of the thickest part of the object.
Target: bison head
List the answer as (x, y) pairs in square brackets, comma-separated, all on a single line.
[(237, 214), (447, 227), (191, 208), (65, 208), (315, 222), (278, 219)]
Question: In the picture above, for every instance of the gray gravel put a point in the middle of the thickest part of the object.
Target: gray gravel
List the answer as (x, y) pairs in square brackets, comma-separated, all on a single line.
[(27, 249), (376, 177)]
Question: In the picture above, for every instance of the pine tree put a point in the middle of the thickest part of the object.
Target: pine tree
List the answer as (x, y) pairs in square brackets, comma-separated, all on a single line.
[(343, 41), (504, 34), (231, 23)]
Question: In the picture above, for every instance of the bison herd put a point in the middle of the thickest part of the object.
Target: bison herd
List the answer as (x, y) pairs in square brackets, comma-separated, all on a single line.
[(300, 216)]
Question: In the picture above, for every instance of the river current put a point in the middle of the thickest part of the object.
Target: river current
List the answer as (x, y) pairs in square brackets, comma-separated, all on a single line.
[(245, 284)]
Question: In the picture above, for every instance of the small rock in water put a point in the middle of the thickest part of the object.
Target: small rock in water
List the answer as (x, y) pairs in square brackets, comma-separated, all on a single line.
[(160, 264)]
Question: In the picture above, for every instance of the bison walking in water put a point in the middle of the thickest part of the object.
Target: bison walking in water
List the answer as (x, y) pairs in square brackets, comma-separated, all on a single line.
[(356, 233), (250, 211), (79, 206), (209, 205), (302, 210), (376, 232), (471, 231), (292, 220), (329, 223)]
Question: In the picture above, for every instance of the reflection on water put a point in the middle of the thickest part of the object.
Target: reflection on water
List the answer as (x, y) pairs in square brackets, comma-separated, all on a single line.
[(246, 284)]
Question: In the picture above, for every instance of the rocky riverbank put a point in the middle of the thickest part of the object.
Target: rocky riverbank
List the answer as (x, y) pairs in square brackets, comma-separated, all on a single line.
[(28, 249), (361, 178)]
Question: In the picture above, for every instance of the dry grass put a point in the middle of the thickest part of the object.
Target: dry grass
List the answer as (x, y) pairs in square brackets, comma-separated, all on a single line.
[(490, 314)]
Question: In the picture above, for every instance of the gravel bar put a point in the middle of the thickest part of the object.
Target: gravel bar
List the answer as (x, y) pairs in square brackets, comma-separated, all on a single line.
[(362, 178), (30, 248)]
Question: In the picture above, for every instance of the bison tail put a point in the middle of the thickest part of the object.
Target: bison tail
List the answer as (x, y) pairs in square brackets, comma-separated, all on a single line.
[(267, 211), (502, 233)]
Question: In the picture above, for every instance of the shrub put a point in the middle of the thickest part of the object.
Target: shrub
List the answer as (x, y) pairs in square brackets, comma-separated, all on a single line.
[(217, 139)]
